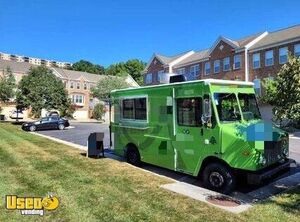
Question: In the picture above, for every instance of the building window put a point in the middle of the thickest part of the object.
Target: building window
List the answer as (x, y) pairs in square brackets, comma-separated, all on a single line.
[(297, 50), (226, 64), (207, 68), (257, 86), (78, 85), (160, 75), (217, 66), (237, 62), (195, 71), (269, 60), (283, 55), (148, 78), (134, 109), (85, 87), (71, 85), (78, 99), (256, 60), (181, 71), (189, 112)]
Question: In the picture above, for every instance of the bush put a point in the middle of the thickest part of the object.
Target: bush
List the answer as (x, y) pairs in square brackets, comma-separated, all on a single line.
[(98, 111), (69, 111)]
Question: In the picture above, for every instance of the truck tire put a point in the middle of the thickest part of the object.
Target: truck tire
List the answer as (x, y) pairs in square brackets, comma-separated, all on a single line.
[(133, 156), (219, 177)]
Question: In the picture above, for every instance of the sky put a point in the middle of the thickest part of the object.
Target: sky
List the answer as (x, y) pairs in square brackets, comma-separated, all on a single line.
[(106, 32)]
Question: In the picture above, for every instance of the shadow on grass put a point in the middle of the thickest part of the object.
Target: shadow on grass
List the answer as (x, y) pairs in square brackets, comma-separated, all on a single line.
[(289, 201), (18, 122)]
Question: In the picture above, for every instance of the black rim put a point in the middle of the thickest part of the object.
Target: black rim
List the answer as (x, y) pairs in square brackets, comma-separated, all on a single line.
[(216, 179)]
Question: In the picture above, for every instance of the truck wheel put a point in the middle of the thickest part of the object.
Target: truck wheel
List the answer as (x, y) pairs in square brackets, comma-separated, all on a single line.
[(133, 156), (32, 128), (219, 178)]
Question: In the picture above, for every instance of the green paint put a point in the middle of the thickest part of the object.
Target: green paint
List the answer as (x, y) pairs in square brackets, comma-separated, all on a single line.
[(183, 148)]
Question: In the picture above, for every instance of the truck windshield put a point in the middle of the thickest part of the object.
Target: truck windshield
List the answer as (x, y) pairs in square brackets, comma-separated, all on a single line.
[(227, 107), (249, 106)]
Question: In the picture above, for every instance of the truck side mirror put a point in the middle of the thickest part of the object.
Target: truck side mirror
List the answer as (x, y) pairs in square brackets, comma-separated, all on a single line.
[(206, 116)]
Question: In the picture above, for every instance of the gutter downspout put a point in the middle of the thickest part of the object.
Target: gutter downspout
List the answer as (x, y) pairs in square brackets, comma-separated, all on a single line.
[(246, 65)]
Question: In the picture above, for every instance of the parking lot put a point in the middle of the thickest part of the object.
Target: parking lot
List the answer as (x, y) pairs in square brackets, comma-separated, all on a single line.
[(78, 133)]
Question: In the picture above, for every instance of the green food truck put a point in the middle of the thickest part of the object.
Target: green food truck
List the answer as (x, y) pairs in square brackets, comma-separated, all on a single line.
[(211, 129)]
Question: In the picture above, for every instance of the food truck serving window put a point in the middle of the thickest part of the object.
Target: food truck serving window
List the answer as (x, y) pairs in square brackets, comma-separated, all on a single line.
[(134, 109)]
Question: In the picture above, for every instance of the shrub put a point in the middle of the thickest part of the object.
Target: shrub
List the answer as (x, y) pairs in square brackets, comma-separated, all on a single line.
[(98, 111)]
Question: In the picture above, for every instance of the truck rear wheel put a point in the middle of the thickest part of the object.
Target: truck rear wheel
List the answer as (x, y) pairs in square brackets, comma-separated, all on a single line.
[(219, 178), (133, 156)]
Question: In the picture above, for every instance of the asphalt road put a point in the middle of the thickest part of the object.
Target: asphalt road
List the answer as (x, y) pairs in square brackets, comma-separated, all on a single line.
[(78, 133)]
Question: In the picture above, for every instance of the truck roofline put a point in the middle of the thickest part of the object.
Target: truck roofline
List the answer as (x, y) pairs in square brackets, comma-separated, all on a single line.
[(206, 81)]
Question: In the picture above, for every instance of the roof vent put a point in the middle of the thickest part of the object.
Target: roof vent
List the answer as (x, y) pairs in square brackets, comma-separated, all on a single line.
[(177, 78), (172, 78)]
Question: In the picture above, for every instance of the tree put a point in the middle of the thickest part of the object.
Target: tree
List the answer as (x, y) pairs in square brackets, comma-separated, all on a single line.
[(117, 69), (86, 66), (98, 111), (270, 89), (133, 67), (284, 92), (40, 89), (7, 85), (106, 85)]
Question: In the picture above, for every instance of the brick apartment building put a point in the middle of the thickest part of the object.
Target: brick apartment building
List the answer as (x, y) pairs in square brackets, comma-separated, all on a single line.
[(252, 58), (78, 85)]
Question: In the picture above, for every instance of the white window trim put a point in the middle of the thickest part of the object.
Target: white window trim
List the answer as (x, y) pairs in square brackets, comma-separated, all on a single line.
[(147, 78), (215, 62), (234, 62), (205, 73), (295, 46), (181, 71), (287, 52), (73, 97), (158, 75), (224, 64), (196, 72), (134, 120), (269, 58), (255, 61)]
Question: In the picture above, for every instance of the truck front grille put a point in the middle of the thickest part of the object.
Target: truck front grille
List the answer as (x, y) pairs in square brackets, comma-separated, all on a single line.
[(273, 151)]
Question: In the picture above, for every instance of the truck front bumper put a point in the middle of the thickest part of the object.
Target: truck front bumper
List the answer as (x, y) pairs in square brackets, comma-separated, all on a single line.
[(258, 176)]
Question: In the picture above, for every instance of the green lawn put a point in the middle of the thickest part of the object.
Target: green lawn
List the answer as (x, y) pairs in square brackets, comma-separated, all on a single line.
[(105, 189)]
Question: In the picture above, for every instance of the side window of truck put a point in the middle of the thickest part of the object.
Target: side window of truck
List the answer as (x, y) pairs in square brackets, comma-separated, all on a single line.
[(189, 111), (134, 109)]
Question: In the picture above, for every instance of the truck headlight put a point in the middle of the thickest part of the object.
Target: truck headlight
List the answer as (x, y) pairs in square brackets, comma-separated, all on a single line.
[(262, 160), (285, 147), (285, 151)]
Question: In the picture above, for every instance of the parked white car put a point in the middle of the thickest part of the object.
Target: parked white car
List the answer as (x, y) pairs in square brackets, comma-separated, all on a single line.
[(16, 114)]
